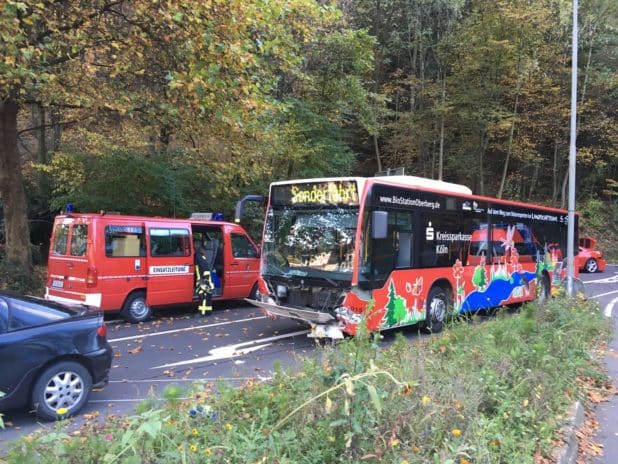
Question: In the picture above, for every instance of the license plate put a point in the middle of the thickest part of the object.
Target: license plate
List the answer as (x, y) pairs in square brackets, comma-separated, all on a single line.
[(57, 283)]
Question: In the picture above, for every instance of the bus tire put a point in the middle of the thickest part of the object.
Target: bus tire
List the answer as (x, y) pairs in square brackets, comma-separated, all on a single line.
[(135, 309), (543, 289), (436, 310)]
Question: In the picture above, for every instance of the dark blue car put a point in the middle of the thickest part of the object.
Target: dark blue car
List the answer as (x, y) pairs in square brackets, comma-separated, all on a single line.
[(51, 355)]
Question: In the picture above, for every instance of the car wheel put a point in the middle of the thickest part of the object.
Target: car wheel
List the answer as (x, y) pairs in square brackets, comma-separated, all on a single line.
[(591, 265), (63, 385), (437, 310), (135, 308)]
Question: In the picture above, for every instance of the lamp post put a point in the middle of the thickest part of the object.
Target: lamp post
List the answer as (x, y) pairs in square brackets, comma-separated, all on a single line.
[(572, 161)]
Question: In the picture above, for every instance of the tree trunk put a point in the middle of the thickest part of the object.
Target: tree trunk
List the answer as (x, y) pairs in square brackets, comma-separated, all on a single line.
[(441, 156), (564, 189), (533, 181), (12, 193), (377, 152), (482, 148), (509, 147), (42, 151), (554, 193)]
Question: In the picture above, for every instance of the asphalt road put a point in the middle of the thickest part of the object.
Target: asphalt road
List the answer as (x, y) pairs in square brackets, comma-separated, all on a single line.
[(235, 343)]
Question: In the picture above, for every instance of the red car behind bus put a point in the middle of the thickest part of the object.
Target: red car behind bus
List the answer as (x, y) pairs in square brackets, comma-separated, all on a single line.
[(132, 264)]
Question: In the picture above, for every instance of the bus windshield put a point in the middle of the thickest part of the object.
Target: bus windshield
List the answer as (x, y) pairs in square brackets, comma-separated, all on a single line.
[(310, 242)]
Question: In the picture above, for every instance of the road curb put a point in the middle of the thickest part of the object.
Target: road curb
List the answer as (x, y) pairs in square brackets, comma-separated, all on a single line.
[(567, 453)]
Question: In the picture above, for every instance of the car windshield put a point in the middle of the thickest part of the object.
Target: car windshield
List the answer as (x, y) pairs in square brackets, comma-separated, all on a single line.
[(311, 242)]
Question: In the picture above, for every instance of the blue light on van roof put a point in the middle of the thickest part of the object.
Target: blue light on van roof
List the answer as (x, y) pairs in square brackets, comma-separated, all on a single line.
[(68, 209), (218, 217)]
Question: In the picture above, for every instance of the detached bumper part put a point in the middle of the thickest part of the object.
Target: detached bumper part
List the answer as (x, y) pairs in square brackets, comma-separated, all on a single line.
[(331, 331)]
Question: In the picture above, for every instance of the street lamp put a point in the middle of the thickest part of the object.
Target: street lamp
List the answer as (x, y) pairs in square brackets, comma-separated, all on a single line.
[(572, 162)]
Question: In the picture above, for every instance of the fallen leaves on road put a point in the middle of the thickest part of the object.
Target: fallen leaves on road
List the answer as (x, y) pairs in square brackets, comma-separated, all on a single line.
[(139, 349), (92, 415)]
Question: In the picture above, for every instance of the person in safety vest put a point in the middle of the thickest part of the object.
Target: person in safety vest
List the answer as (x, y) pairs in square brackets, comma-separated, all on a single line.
[(204, 261)]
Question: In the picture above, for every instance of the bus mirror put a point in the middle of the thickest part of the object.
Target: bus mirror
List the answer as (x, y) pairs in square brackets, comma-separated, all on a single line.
[(379, 225)]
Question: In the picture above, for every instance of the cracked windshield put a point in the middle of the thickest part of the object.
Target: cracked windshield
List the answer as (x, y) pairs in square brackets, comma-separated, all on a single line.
[(310, 243)]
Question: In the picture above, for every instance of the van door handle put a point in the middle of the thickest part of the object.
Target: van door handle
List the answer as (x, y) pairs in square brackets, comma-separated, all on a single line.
[(70, 265), (233, 264)]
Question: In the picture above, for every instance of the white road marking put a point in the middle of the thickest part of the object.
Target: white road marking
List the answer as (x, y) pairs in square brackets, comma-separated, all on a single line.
[(604, 294), (131, 400), (198, 379), (604, 280), (186, 329), (610, 307), (204, 379), (231, 351)]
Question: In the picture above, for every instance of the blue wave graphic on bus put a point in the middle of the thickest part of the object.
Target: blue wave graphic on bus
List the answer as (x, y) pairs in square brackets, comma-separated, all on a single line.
[(497, 291)]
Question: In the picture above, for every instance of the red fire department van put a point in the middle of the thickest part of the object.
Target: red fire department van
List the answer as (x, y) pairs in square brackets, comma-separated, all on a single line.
[(132, 264)]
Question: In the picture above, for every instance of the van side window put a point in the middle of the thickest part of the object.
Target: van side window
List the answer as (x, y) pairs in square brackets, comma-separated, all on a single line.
[(124, 241), (79, 237), (169, 242), (61, 234), (242, 247)]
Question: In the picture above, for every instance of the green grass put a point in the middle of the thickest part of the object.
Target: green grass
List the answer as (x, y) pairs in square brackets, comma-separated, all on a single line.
[(494, 392)]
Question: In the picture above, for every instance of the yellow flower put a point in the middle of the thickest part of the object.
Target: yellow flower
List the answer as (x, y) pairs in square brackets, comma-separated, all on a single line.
[(228, 426), (62, 411), (207, 452), (405, 461), (394, 443), (331, 438), (425, 400), (195, 432), (193, 448), (456, 432), (464, 461)]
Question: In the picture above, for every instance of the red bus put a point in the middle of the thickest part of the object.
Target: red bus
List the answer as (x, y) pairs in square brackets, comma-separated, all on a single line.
[(132, 263), (401, 250)]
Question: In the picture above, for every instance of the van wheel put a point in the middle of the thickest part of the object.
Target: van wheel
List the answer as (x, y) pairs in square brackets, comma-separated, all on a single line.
[(436, 310), (135, 308)]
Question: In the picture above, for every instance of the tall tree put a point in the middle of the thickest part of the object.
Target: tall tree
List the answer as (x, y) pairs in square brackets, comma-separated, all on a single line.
[(166, 63)]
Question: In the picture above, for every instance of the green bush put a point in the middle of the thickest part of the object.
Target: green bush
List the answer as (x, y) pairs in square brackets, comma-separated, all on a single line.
[(491, 392)]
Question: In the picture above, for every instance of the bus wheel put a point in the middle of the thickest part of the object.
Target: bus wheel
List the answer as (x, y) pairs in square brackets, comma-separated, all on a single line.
[(543, 290), (437, 308), (135, 308)]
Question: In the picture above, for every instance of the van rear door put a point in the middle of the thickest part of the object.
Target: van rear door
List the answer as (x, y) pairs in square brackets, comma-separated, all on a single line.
[(68, 277), (170, 264)]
